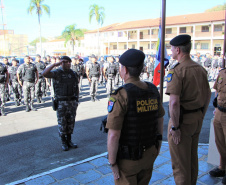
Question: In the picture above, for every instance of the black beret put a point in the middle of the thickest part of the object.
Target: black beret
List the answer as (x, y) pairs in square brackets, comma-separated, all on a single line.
[(38, 55), (65, 58), (180, 40), (132, 58)]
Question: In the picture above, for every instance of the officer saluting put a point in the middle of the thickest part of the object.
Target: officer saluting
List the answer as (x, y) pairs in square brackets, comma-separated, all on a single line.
[(189, 91), (135, 123), (65, 83)]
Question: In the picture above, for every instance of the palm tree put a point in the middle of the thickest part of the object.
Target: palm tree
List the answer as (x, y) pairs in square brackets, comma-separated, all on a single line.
[(39, 9), (72, 34), (98, 12)]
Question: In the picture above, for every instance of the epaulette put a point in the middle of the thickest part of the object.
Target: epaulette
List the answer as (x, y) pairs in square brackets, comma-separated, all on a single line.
[(174, 65), (114, 92), (222, 69)]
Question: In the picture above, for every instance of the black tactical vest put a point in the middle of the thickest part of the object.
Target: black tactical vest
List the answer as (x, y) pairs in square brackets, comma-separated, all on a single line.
[(94, 70), (2, 73), (112, 69), (13, 71), (40, 67), (65, 84), (77, 68), (28, 72), (140, 122)]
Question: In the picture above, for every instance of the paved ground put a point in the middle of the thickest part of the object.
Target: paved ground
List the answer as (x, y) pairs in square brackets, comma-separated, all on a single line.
[(95, 171), (30, 144)]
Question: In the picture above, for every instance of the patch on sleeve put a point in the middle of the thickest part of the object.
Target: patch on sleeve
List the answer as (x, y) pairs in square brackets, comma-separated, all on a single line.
[(111, 103), (169, 76)]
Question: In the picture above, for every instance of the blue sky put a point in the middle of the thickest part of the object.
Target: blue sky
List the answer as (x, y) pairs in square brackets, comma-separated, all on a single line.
[(67, 12)]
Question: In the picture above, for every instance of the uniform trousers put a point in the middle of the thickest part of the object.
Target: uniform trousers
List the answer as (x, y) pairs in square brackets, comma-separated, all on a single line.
[(17, 90), (66, 112), (94, 86), (110, 84), (137, 172), (184, 156), (80, 83), (220, 135), (29, 92), (2, 95), (40, 87)]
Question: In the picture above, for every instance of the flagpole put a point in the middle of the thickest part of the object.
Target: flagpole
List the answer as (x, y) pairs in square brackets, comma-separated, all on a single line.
[(162, 48)]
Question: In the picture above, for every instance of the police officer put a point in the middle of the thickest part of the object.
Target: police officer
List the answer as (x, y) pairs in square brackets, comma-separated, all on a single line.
[(17, 89), (65, 82), (135, 123), (102, 61), (81, 73), (49, 80), (4, 80), (110, 71), (117, 76), (8, 87), (93, 74), (87, 67), (220, 125), (77, 67), (40, 85), (189, 91), (29, 73), (150, 68)]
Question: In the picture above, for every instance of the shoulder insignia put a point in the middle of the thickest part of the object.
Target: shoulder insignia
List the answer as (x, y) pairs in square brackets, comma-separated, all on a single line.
[(114, 92), (174, 65), (111, 103), (169, 76)]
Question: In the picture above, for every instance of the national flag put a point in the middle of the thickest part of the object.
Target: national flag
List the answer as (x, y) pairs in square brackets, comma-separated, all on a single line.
[(157, 66)]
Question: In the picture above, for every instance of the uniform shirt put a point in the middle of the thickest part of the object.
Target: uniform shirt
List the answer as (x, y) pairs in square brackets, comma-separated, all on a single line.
[(24, 67), (189, 81), (220, 86), (116, 116), (40, 67)]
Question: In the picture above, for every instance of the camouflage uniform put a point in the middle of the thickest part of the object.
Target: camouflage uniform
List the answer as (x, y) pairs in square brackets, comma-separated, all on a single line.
[(17, 89), (40, 85), (65, 85), (3, 71), (28, 73)]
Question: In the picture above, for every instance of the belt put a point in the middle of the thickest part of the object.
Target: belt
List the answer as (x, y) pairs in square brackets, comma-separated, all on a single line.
[(66, 99), (191, 111), (222, 109)]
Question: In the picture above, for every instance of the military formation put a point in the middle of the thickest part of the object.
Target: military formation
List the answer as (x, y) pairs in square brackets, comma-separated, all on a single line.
[(135, 111)]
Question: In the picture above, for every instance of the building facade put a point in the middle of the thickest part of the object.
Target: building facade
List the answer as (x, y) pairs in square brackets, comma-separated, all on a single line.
[(206, 30)]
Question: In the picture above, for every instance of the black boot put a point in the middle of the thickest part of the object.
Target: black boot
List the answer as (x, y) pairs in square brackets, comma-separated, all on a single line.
[(27, 108), (64, 143), (92, 99), (69, 142), (38, 100)]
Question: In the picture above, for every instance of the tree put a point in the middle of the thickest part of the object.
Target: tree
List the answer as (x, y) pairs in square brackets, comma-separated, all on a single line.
[(72, 34), (33, 43), (39, 8), (217, 8), (98, 12)]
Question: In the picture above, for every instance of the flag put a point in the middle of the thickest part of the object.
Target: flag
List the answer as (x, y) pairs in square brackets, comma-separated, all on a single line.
[(157, 65)]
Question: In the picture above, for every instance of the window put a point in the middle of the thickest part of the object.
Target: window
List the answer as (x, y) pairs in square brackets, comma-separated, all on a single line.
[(125, 46), (217, 27), (153, 46), (205, 28), (204, 46), (168, 30), (114, 46), (148, 32), (152, 32), (182, 29), (120, 34), (192, 29), (148, 46), (133, 46)]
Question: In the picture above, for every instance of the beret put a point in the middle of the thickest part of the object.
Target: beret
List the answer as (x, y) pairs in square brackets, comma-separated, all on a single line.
[(180, 40), (65, 58), (38, 55), (132, 58)]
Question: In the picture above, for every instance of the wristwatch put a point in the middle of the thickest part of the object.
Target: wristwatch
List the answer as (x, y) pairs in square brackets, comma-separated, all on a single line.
[(175, 128), (111, 165)]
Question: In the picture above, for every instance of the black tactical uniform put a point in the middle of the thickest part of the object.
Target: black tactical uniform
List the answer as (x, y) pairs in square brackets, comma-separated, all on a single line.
[(111, 71), (3, 71), (94, 74), (40, 85)]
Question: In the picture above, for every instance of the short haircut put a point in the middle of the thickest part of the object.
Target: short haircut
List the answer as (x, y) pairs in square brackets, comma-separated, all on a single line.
[(186, 48), (135, 71)]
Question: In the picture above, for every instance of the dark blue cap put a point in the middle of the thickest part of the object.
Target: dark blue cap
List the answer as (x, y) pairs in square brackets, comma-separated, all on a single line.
[(180, 40), (132, 58)]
